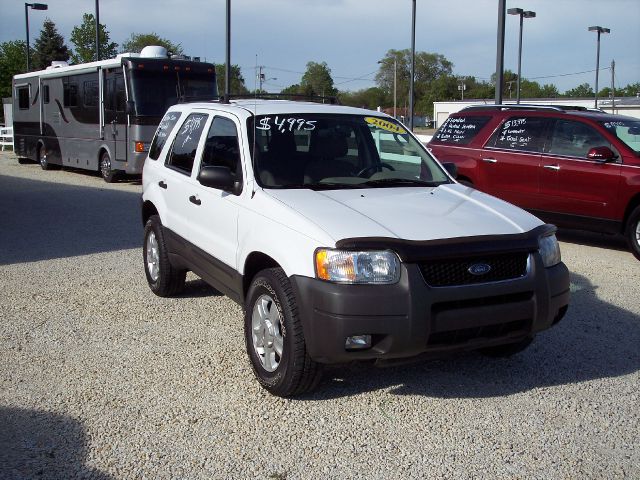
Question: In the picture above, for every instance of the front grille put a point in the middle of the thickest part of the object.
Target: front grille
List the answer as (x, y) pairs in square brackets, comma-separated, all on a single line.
[(457, 337), (455, 271)]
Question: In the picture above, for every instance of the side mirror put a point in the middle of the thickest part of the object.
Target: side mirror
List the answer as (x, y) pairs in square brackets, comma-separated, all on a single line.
[(131, 107), (601, 154), (220, 178), (451, 169)]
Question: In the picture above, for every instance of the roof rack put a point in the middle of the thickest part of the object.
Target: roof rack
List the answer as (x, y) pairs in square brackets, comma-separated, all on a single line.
[(522, 106), (261, 96)]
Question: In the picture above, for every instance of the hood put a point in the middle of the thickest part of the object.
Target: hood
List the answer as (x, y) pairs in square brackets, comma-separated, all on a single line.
[(410, 213)]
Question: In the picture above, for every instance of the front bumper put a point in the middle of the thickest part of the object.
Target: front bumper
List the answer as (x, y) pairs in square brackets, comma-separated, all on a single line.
[(411, 318)]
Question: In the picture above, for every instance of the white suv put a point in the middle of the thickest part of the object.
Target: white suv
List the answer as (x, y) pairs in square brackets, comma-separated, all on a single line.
[(342, 237)]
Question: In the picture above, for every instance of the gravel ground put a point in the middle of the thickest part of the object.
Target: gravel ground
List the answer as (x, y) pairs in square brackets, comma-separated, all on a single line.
[(101, 379)]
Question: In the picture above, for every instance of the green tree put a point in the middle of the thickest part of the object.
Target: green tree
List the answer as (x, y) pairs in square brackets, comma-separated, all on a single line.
[(49, 46), (371, 98), (237, 87), (13, 60), (631, 90), (428, 68), (583, 90), (137, 41), (84, 39), (317, 80)]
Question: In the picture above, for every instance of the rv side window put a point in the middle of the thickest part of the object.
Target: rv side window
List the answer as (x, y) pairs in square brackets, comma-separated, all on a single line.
[(90, 98), (23, 98), (70, 93), (45, 93)]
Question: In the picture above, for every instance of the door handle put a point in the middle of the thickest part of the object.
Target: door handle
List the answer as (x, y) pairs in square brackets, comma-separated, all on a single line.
[(490, 160), (161, 184), (195, 200), (552, 167)]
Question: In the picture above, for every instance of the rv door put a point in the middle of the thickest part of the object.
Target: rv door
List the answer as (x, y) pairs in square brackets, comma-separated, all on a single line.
[(115, 118)]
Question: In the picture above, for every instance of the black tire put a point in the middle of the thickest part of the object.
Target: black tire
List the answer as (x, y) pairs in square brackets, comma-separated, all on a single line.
[(163, 278), (41, 157), (502, 351), (632, 232), (295, 372), (108, 174)]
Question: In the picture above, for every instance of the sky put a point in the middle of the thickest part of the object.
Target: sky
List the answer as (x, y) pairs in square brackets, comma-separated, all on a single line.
[(351, 36)]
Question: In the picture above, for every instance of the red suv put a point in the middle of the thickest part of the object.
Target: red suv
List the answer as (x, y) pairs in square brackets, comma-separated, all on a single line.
[(571, 166)]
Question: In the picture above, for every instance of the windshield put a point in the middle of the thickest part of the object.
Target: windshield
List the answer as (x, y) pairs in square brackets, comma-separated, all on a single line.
[(628, 131), (339, 151), (154, 91)]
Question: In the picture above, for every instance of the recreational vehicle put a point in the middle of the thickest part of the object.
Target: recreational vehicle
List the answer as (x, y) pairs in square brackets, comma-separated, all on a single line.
[(102, 115)]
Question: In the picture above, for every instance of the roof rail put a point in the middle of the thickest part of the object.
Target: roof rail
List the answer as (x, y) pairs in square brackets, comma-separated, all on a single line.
[(523, 106), (261, 96)]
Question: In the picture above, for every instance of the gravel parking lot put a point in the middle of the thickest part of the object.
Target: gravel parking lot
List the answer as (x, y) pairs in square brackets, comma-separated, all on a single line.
[(101, 379)]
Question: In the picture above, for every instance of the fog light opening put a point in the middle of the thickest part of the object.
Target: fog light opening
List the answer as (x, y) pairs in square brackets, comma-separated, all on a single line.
[(357, 342)]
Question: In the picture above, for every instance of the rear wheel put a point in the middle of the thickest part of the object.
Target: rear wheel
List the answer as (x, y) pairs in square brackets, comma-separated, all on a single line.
[(163, 278), (633, 232), (274, 338), (108, 174)]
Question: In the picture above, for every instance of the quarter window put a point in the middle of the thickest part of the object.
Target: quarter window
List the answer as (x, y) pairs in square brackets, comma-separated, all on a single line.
[(45, 93), (183, 151), (520, 133), (460, 130), (574, 139)]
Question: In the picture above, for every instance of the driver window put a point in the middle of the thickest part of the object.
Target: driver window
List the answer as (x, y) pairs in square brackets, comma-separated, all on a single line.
[(221, 148), (574, 139)]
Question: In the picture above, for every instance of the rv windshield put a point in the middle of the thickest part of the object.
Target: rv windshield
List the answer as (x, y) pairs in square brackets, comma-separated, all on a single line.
[(329, 151), (153, 92)]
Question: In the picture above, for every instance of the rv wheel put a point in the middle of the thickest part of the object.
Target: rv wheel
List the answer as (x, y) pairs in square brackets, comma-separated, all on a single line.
[(42, 158), (108, 175)]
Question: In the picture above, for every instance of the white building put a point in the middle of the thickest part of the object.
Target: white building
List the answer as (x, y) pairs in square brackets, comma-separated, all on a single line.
[(629, 106)]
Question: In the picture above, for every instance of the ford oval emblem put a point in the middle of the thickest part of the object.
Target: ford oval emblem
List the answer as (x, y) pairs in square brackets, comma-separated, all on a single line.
[(479, 269)]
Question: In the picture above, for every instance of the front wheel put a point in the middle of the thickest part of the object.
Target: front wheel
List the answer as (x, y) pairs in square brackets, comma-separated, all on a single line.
[(274, 338), (107, 173), (163, 278), (633, 232)]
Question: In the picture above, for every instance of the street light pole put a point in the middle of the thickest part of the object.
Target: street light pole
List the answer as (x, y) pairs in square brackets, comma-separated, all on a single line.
[(500, 51), (34, 6), (599, 30), (523, 14), (413, 64), (97, 31), (395, 83)]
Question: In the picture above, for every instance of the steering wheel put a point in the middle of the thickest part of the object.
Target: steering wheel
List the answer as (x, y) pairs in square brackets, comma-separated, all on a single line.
[(377, 167)]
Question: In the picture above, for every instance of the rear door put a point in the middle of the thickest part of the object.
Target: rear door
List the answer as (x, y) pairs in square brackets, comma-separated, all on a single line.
[(571, 183), (510, 161)]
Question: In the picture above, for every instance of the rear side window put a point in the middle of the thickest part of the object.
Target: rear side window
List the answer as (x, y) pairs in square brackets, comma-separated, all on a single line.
[(162, 133), (183, 151), (460, 130), (520, 133)]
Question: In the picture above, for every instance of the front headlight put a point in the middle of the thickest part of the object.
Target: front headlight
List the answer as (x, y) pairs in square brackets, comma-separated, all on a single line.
[(381, 267), (549, 250)]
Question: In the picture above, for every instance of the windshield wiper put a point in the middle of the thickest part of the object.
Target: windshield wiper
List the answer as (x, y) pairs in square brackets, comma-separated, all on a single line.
[(403, 181)]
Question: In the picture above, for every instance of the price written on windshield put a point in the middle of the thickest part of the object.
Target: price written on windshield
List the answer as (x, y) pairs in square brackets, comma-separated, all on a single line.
[(286, 124)]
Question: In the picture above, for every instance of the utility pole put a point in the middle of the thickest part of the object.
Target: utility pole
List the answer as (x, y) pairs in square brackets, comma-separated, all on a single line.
[(413, 64), (97, 31), (227, 73), (502, 9), (613, 88)]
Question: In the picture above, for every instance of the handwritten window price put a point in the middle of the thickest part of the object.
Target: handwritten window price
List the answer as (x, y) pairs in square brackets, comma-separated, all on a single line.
[(284, 124)]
